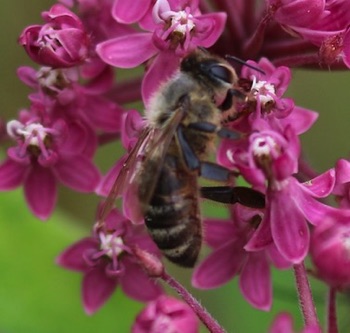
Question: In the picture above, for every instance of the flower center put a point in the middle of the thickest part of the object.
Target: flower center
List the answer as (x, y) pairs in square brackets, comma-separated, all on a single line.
[(263, 147), (111, 245), (263, 91), (182, 22)]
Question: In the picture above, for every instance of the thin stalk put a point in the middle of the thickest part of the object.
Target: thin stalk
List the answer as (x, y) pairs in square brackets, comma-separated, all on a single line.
[(306, 302), (205, 317), (332, 311)]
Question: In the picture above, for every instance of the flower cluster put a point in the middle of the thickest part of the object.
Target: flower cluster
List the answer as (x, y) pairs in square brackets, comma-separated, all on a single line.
[(77, 103)]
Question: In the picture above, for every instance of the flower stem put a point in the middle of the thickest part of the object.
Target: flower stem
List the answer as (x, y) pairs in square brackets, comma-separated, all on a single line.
[(332, 311), (212, 325), (305, 296)]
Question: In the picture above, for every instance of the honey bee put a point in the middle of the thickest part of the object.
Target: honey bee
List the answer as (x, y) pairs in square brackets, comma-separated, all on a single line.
[(184, 119)]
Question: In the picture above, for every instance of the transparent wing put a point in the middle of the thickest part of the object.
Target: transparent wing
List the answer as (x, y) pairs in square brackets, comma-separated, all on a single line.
[(124, 175), (152, 145)]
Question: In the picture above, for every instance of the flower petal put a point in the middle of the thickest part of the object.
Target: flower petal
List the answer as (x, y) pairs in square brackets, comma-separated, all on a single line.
[(40, 191), (73, 257), (219, 267), (129, 11), (137, 284), (97, 287), (255, 281), (127, 51), (11, 175), (288, 226), (78, 173), (283, 323), (322, 185), (218, 232)]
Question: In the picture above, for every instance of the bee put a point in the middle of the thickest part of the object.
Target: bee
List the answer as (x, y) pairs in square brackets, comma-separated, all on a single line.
[(162, 170)]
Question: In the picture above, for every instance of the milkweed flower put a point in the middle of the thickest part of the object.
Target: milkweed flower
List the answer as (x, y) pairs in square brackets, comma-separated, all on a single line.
[(176, 28), (167, 315), (106, 260), (61, 42), (48, 151), (230, 259)]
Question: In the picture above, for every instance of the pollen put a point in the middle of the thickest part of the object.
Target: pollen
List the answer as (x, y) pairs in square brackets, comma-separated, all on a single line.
[(33, 134), (111, 245), (181, 22), (263, 91)]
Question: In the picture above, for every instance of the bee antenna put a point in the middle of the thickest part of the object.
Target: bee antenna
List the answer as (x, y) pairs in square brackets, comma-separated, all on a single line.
[(244, 63)]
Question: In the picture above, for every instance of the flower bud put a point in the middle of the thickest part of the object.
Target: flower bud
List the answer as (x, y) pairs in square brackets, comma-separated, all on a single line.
[(330, 252), (60, 42)]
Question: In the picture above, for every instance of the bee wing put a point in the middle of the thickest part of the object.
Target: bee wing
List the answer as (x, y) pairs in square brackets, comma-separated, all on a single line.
[(126, 173), (154, 143)]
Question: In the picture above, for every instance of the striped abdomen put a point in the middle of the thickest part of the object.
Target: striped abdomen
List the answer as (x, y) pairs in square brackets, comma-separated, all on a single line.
[(172, 215)]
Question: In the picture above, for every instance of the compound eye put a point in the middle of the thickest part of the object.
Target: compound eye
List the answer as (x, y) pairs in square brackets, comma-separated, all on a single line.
[(222, 73)]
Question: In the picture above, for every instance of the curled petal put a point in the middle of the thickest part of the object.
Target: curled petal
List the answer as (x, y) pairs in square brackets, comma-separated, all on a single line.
[(40, 191), (127, 51), (73, 257), (97, 287), (219, 267), (209, 28), (255, 282), (78, 173), (322, 185), (282, 324)]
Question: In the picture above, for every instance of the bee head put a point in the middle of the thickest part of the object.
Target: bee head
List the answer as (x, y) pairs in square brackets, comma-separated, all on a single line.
[(206, 68)]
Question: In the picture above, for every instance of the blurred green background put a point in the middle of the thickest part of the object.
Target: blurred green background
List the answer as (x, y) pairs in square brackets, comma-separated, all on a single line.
[(38, 297)]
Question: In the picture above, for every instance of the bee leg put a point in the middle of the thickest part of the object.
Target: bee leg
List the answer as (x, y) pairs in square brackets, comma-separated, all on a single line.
[(228, 101), (222, 132), (231, 195), (190, 157), (215, 172)]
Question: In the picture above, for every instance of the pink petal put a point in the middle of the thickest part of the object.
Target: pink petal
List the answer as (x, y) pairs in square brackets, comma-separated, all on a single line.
[(209, 28), (162, 68), (97, 287), (218, 232), (342, 170), (78, 173), (300, 119), (288, 226), (40, 191), (11, 175), (73, 257), (255, 282), (283, 323), (322, 185), (277, 259), (219, 267), (261, 238), (127, 51), (137, 284), (129, 11), (28, 75)]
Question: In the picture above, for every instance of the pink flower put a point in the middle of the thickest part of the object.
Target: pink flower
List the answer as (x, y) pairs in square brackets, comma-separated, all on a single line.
[(72, 100), (229, 258), (106, 260), (283, 323), (330, 252), (60, 42), (47, 151), (166, 315), (342, 183), (176, 28)]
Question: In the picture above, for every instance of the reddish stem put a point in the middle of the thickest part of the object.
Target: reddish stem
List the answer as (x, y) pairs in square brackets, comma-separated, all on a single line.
[(306, 302), (332, 311), (212, 325)]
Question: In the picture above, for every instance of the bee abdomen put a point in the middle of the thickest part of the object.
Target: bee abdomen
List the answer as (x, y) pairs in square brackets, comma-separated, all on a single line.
[(176, 229)]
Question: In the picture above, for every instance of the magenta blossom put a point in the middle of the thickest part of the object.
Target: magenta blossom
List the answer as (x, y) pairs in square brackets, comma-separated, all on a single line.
[(60, 88), (176, 28), (61, 42), (166, 315), (106, 260), (47, 152), (229, 258), (342, 183), (283, 323), (330, 253)]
